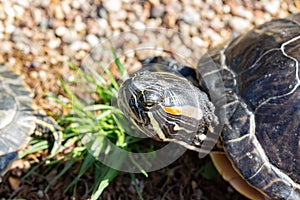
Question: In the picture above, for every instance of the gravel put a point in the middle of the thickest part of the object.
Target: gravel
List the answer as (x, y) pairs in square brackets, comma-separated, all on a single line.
[(49, 33)]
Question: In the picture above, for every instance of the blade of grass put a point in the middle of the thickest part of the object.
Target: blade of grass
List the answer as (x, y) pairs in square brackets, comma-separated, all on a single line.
[(68, 166), (87, 163), (136, 186), (104, 181)]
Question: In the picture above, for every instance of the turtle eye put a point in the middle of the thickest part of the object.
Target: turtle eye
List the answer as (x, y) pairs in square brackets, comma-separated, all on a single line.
[(148, 99), (149, 104)]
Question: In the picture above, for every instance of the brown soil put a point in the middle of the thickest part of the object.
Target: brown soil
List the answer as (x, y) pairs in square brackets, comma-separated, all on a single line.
[(180, 180)]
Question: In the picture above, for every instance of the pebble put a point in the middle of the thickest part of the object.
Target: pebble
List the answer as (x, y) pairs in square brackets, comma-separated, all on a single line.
[(190, 15), (19, 11), (80, 26), (40, 194), (139, 25), (35, 64), (271, 6), (42, 75), (2, 28), (102, 13), (92, 39), (66, 7), (112, 5), (14, 182), (102, 24), (54, 43), (24, 3), (197, 40), (10, 29), (157, 11), (75, 4), (58, 12), (239, 24), (9, 11), (297, 5), (71, 36), (6, 46), (61, 31), (242, 12), (78, 45)]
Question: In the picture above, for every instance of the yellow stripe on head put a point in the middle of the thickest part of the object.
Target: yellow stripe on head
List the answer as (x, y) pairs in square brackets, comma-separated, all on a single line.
[(173, 110)]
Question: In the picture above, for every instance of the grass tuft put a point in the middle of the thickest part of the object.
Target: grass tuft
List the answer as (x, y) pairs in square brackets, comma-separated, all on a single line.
[(91, 119)]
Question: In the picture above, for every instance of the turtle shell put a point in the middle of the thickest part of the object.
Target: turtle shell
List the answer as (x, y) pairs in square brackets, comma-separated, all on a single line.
[(261, 133), (16, 116)]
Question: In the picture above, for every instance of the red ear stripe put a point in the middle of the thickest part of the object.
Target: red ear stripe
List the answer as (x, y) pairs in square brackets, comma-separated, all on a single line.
[(172, 110)]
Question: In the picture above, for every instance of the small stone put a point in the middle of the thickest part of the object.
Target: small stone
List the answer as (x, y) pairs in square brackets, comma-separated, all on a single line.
[(297, 5), (190, 15), (170, 20), (6, 46), (112, 5), (70, 36), (10, 29), (226, 9), (154, 2), (198, 41), (139, 25), (194, 184), (80, 55), (1, 27), (25, 3), (66, 7), (40, 193), (42, 75), (209, 14), (19, 11), (216, 24), (35, 64), (58, 13), (80, 26), (17, 164), (54, 43), (75, 4), (116, 25), (102, 12), (157, 11), (243, 12), (23, 47), (271, 6), (103, 23), (61, 31), (37, 15), (122, 14), (154, 22), (27, 165), (78, 45), (92, 39), (239, 24), (34, 75), (14, 182), (9, 11)]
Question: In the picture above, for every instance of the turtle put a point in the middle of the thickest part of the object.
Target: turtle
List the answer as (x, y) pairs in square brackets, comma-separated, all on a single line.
[(18, 120), (249, 88)]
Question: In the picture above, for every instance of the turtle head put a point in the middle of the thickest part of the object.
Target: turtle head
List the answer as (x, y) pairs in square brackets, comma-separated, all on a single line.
[(167, 108)]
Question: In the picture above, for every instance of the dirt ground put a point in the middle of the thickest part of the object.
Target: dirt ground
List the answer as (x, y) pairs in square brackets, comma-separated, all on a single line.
[(181, 180)]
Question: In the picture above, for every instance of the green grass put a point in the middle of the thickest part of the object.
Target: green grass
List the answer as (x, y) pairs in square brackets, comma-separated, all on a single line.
[(84, 126)]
